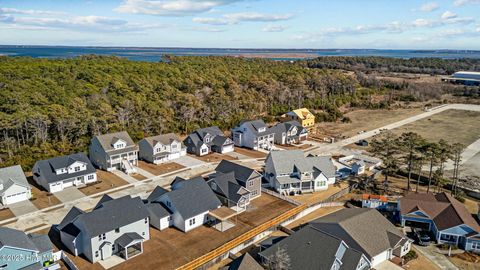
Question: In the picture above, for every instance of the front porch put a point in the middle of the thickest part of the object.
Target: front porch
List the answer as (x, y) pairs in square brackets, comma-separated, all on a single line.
[(129, 245)]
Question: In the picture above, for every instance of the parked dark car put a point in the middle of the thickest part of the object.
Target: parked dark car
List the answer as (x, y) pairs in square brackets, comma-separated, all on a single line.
[(423, 237)]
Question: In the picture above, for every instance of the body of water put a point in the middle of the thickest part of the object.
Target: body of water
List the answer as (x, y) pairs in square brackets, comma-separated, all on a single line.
[(155, 54)]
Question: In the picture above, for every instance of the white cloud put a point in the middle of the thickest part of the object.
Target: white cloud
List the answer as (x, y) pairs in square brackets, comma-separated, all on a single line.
[(429, 7), (30, 12), (459, 3), (448, 15), (171, 7), (235, 18), (451, 33), (274, 28)]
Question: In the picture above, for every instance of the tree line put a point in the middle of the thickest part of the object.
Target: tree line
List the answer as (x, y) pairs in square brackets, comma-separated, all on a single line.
[(412, 153)]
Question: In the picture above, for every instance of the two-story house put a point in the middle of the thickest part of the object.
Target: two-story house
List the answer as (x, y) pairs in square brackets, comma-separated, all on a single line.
[(245, 176), (114, 151), (253, 134), (445, 217), (374, 201), (289, 132), (115, 227), (291, 172), (229, 192), (189, 201), (25, 251), (206, 140), (58, 173), (302, 115), (161, 148), (14, 186)]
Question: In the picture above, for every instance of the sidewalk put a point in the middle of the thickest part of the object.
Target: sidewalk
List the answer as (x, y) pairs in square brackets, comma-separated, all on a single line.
[(440, 260)]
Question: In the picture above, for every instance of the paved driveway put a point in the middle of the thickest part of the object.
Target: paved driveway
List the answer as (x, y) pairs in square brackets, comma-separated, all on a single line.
[(439, 259), (69, 194), (189, 161), (22, 208), (237, 155), (388, 265)]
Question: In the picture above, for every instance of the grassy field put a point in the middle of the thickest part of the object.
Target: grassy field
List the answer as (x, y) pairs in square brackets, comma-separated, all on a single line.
[(364, 120), (454, 126)]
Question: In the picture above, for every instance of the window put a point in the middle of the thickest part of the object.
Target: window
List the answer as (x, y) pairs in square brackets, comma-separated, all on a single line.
[(214, 186), (77, 169), (192, 221), (96, 253), (250, 183), (254, 192), (143, 233), (113, 247), (117, 230), (101, 237), (476, 245), (169, 218), (169, 204), (146, 220), (91, 176)]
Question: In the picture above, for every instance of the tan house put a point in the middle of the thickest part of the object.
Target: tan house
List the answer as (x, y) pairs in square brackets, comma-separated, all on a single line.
[(302, 115)]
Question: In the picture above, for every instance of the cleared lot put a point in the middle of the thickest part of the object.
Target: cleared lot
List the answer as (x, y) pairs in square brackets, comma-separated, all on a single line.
[(250, 153), (160, 168), (315, 197), (105, 182), (171, 248), (454, 126), (213, 157), (6, 214), (41, 198)]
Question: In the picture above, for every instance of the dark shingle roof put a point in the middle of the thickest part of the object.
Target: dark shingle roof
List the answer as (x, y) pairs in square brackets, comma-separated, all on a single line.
[(193, 197), (16, 239), (42, 242), (128, 238), (255, 126), (308, 249), (158, 210), (350, 259), (48, 167), (111, 215), (363, 229), (105, 198), (228, 187), (242, 173), (71, 215), (244, 262), (156, 193)]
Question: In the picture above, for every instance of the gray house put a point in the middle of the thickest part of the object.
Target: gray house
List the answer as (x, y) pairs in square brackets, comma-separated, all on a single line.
[(14, 186), (25, 251), (161, 148), (289, 132), (114, 227), (253, 134), (244, 262), (246, 177), (189, 201), (58, 173), (114, 151), (367, 231), (206, 140), (291, 172), (230, 193), (310, 249)]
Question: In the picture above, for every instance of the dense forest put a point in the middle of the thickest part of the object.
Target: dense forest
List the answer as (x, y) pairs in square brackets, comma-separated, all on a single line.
[(50, 107), (435, 66)]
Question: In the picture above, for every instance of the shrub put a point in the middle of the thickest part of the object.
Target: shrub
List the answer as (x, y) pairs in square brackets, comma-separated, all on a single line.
[(411, 255)]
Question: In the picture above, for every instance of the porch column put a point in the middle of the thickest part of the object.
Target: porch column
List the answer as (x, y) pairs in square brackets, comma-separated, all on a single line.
[(126, 253)]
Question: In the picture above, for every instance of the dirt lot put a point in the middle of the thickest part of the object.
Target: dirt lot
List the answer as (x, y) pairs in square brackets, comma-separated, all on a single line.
[(250, 153), (295, 146), (311, 198), (421, 263), (160, 168), (106, 181), (6, 214), (172, 248), (41, 198), (213, 157), (466, 261), (138, 176), (363, 120), (441, 125)]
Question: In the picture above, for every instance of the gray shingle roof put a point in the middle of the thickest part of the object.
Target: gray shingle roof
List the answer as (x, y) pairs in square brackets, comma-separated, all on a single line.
[(42, 242), (105, 198), (13, 175), (255, 126), (16, 239), (308, 249), (158, 210), (351, 259), (242, 173), (71, 215), (48, 166), (128, 238), (165, 139), (228, 187), (193, 197), (197, 137), (106, 141), (111, 215), (279, 128), (156, 193), (244, 262), (363, 229), (285, 162)]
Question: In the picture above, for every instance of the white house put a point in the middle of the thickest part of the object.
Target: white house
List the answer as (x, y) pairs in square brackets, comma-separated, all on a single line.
[(58, 173), (291, 172), (374, 201), (253, 134), (14, 186), (113, 228), (161, 148), (189, 201), (114, 151)]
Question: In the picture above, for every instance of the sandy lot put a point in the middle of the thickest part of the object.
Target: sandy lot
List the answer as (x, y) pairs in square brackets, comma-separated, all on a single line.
[(160, 168), (454, 126), (311, 198), (105, 182), (6, 214), (213, 157), (41, 198), (421, 263), (250, 153)]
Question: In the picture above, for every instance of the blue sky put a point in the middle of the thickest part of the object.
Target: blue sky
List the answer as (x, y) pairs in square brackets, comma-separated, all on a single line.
[(381, 24)]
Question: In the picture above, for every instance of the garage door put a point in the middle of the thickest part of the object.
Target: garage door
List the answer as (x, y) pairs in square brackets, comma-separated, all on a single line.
[(417, 224), (228, 149), (68, 184), (14, 198)]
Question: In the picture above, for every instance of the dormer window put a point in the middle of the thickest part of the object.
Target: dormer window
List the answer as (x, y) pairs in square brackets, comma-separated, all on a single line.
[(262, 129), (77, 168), (119, 144)]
